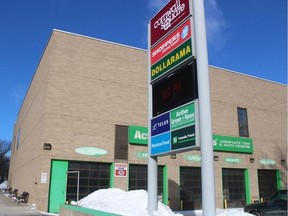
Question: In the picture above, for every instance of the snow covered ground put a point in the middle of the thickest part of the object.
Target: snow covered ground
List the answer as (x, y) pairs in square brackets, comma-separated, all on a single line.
[(134, 203)]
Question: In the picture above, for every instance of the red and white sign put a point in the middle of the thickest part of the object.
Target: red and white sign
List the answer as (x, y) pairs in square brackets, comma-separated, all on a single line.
[(177, 37), (121, 169), (167, 18)]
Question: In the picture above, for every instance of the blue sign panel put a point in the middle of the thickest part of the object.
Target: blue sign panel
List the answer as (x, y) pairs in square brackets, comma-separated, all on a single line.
[(160, 124), (161, 144)]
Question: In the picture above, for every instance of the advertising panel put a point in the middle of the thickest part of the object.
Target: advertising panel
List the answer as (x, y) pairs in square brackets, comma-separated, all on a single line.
[(176, 38), (167, 18), (138, 135), (161, 144), (160, 124), (174, 131), (232, 144), (171, 60)]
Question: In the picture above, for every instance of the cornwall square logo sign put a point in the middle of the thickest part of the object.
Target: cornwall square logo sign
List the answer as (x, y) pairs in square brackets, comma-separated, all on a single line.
[(169, 17)]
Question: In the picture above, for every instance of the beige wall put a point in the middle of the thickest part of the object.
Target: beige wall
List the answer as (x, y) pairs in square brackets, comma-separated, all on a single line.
[(83, 87)]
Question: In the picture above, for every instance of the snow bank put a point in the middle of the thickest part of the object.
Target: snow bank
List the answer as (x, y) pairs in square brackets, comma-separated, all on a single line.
[(117, 201), (135, 203), (3, 185)]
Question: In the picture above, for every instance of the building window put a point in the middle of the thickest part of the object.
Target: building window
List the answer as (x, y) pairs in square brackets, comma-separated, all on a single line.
[(243, 122), (93, 176), (233, 188), (121, 142), (190, 188)]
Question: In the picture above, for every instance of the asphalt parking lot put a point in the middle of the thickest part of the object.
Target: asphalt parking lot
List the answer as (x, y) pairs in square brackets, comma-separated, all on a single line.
[(9, 207)]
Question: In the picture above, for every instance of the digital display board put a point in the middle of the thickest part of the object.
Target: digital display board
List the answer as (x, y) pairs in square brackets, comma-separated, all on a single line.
[(176, 88)]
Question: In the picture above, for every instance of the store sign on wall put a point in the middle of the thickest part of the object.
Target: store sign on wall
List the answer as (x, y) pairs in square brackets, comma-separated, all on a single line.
[(232, 144), (138, 135), (121, 169)]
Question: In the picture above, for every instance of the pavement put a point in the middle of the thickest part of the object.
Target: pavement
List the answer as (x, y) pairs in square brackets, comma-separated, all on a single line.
[(8, 206)]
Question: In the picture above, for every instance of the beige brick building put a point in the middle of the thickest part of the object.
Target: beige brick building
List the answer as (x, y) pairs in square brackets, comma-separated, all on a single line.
[(88, 101)]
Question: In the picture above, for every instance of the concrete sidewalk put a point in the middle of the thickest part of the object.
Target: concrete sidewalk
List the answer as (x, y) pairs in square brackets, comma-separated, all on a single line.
[(8, 206)]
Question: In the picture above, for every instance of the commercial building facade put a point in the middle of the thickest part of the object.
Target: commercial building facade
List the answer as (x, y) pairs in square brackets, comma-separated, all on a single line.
[(84, 118)]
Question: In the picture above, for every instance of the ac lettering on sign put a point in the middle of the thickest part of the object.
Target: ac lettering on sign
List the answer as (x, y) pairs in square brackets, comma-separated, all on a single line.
[(139, 135)]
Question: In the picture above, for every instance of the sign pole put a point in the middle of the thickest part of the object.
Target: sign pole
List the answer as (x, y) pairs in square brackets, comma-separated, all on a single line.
[(152, 160), (207, 166)]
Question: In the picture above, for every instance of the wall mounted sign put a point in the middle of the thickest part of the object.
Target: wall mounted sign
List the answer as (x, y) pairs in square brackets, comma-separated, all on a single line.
[(267, 162), (91, 151), (232, 160), (142, 155), (121, 169), (192, 157), (138, 135), (232, 144)]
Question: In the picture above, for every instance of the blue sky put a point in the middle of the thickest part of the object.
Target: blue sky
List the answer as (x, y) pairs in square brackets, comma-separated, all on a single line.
[(247, 36)]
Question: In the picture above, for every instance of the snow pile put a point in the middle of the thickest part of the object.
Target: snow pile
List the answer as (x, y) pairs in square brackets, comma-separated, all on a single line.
[(3, 185), (135, 203), (117, 201)]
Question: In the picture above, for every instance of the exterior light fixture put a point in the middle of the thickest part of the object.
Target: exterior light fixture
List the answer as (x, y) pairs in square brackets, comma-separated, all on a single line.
[(252, 160), (282, 161), (173, 156), (47, 146), (216, 158)]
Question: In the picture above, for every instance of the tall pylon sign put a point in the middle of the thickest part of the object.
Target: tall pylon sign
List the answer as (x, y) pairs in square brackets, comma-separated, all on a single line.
[(173, 80)]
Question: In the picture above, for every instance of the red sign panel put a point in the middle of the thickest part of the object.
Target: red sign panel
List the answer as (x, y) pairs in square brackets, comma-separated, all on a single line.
[(120, 169), (176, 38), (172, 14)]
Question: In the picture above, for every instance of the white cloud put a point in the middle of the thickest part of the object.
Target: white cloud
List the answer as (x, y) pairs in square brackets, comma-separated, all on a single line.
[(215, 25)]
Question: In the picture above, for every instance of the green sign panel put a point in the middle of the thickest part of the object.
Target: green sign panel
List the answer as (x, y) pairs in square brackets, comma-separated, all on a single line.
[(138, 135), (182, 117), (178, 55), (232, 144), (232, 160), (183, 138)]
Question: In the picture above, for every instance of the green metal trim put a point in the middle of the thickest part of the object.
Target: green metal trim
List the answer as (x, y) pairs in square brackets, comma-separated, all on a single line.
[(87, 211), (247, 186), (165, 185), (112, 178), (278, 179)]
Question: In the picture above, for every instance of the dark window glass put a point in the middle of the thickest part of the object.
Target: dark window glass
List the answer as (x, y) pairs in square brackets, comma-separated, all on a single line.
[(267, 183), (89, 181), (234, 187), (121, 142), (138, 178), (243, 122), (190, 188)]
